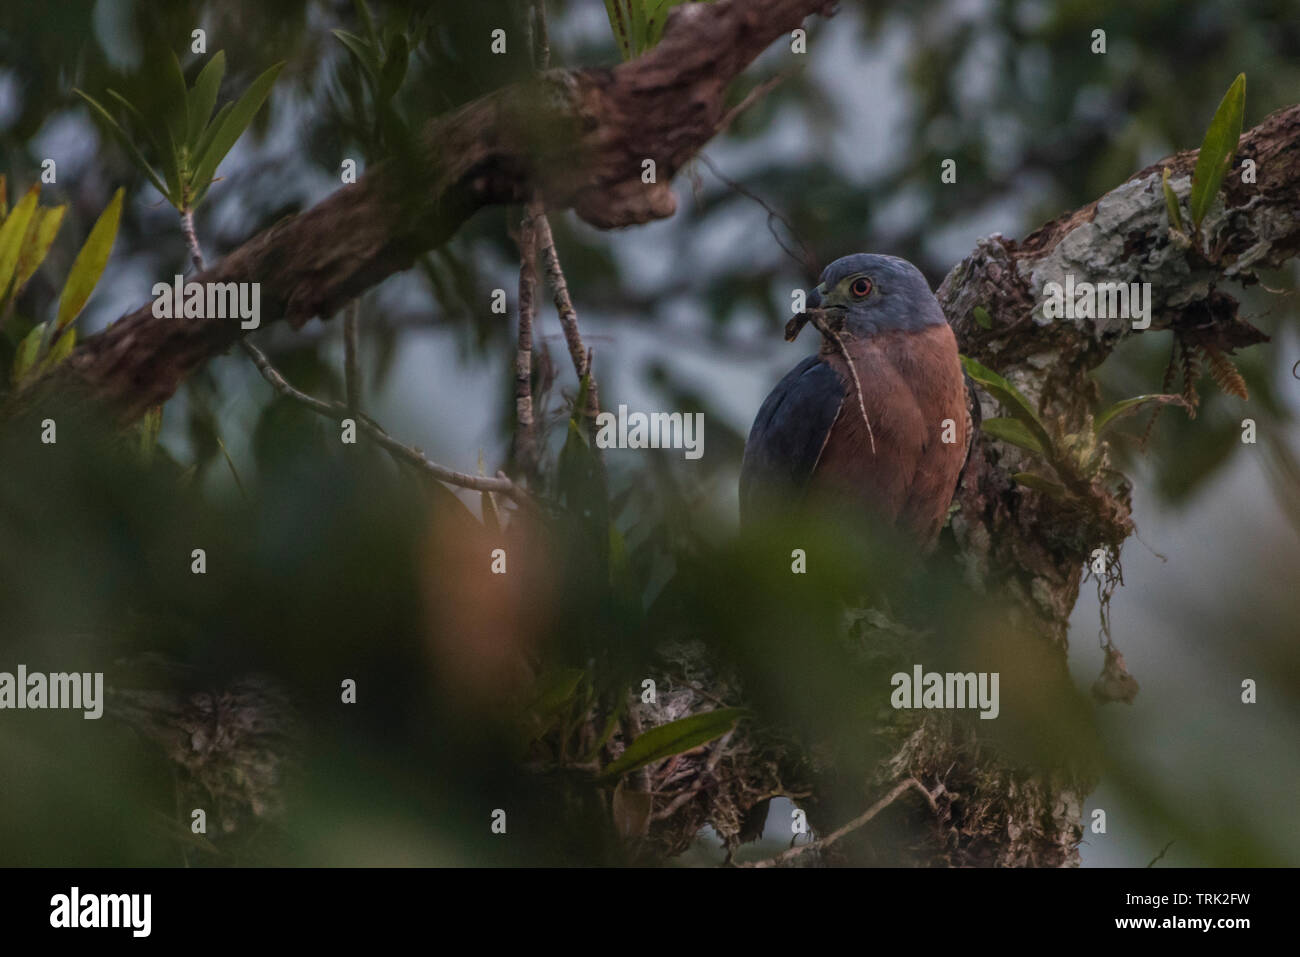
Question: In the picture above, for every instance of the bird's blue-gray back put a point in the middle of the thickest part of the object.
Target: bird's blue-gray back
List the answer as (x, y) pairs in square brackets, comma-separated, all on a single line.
[(789, 432)]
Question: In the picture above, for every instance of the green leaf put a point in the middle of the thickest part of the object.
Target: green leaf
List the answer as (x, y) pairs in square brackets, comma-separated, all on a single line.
[(28, 349), (147, 450), (619, 22), (555, 690), (1217, 149), (1040, 483), (203, 98), (581, 481), (491, 519), (176, 110), (362, 52), (12, 235), (166, 151), (639, 30), (61, 350), (150, 426), (1129, 406), (394, 70), (1012, 399), (1171, 202), (363, 14), (1015, 432), (611, 722), (232, 128), (657, 18), (136, 156), (673, 738), (40, 236), (89, 264), (209, 135), (982, 317)]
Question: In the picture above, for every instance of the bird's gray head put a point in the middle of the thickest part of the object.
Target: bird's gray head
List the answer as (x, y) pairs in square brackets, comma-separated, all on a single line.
[(877, 294)]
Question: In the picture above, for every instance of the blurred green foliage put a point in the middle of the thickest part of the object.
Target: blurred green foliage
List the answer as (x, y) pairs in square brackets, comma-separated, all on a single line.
[(334, 563)]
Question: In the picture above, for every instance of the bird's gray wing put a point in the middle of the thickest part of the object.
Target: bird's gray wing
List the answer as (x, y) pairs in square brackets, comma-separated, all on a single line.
[(789, 434)]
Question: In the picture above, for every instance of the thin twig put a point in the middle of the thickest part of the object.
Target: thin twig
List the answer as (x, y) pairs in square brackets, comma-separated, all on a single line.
[(853, 825), (752, 97), (230, 463), (805, 258), (333, 410), (568, 315), (351, 360), (817, 318), (191, 238), (1161, 854), (525, 437)]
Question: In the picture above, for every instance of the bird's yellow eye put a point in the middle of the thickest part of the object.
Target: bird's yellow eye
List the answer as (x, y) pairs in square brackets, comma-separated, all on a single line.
[(861, 287)]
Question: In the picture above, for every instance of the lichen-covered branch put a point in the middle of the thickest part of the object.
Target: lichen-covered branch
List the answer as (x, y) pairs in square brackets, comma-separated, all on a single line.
[(577, 137), (1025, 544)]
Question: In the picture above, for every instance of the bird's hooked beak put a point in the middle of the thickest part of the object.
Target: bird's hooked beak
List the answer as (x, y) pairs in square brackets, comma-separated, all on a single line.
[(816, 303)]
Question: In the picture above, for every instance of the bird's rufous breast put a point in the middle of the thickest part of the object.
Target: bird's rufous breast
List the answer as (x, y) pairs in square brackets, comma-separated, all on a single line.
[(914, 396)]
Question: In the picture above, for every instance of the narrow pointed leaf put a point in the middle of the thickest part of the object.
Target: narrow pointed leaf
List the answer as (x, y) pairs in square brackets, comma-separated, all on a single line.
[(1129, 406), (639, 33), (1217, 149), (1015, 432), (208, 135), (175, 100), (1041, 483), (1171, 202), (1012, 399), (394, 71), (36, 246), (142, 126), (12, 234), (656, 17), (162, 147), (673, 738), (363, 14), (89, 264), (361, 51), (61, 349), (233, 126), (618, 22), (132, 150), (203, 97), (28, 349), (555, 690), (491, 520), (150, 426)]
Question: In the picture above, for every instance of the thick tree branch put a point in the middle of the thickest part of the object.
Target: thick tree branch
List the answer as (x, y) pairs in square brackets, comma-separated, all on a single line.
[(577, 137)]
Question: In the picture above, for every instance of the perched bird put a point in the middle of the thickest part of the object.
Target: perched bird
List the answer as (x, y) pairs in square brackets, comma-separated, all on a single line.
[(894, 450)]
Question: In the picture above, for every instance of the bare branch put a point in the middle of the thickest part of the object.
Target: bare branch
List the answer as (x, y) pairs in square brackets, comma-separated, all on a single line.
[(576, 137), (894, 794), (414, 456), (526, 455), (804, 257), (192, 239), (568, 315)]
